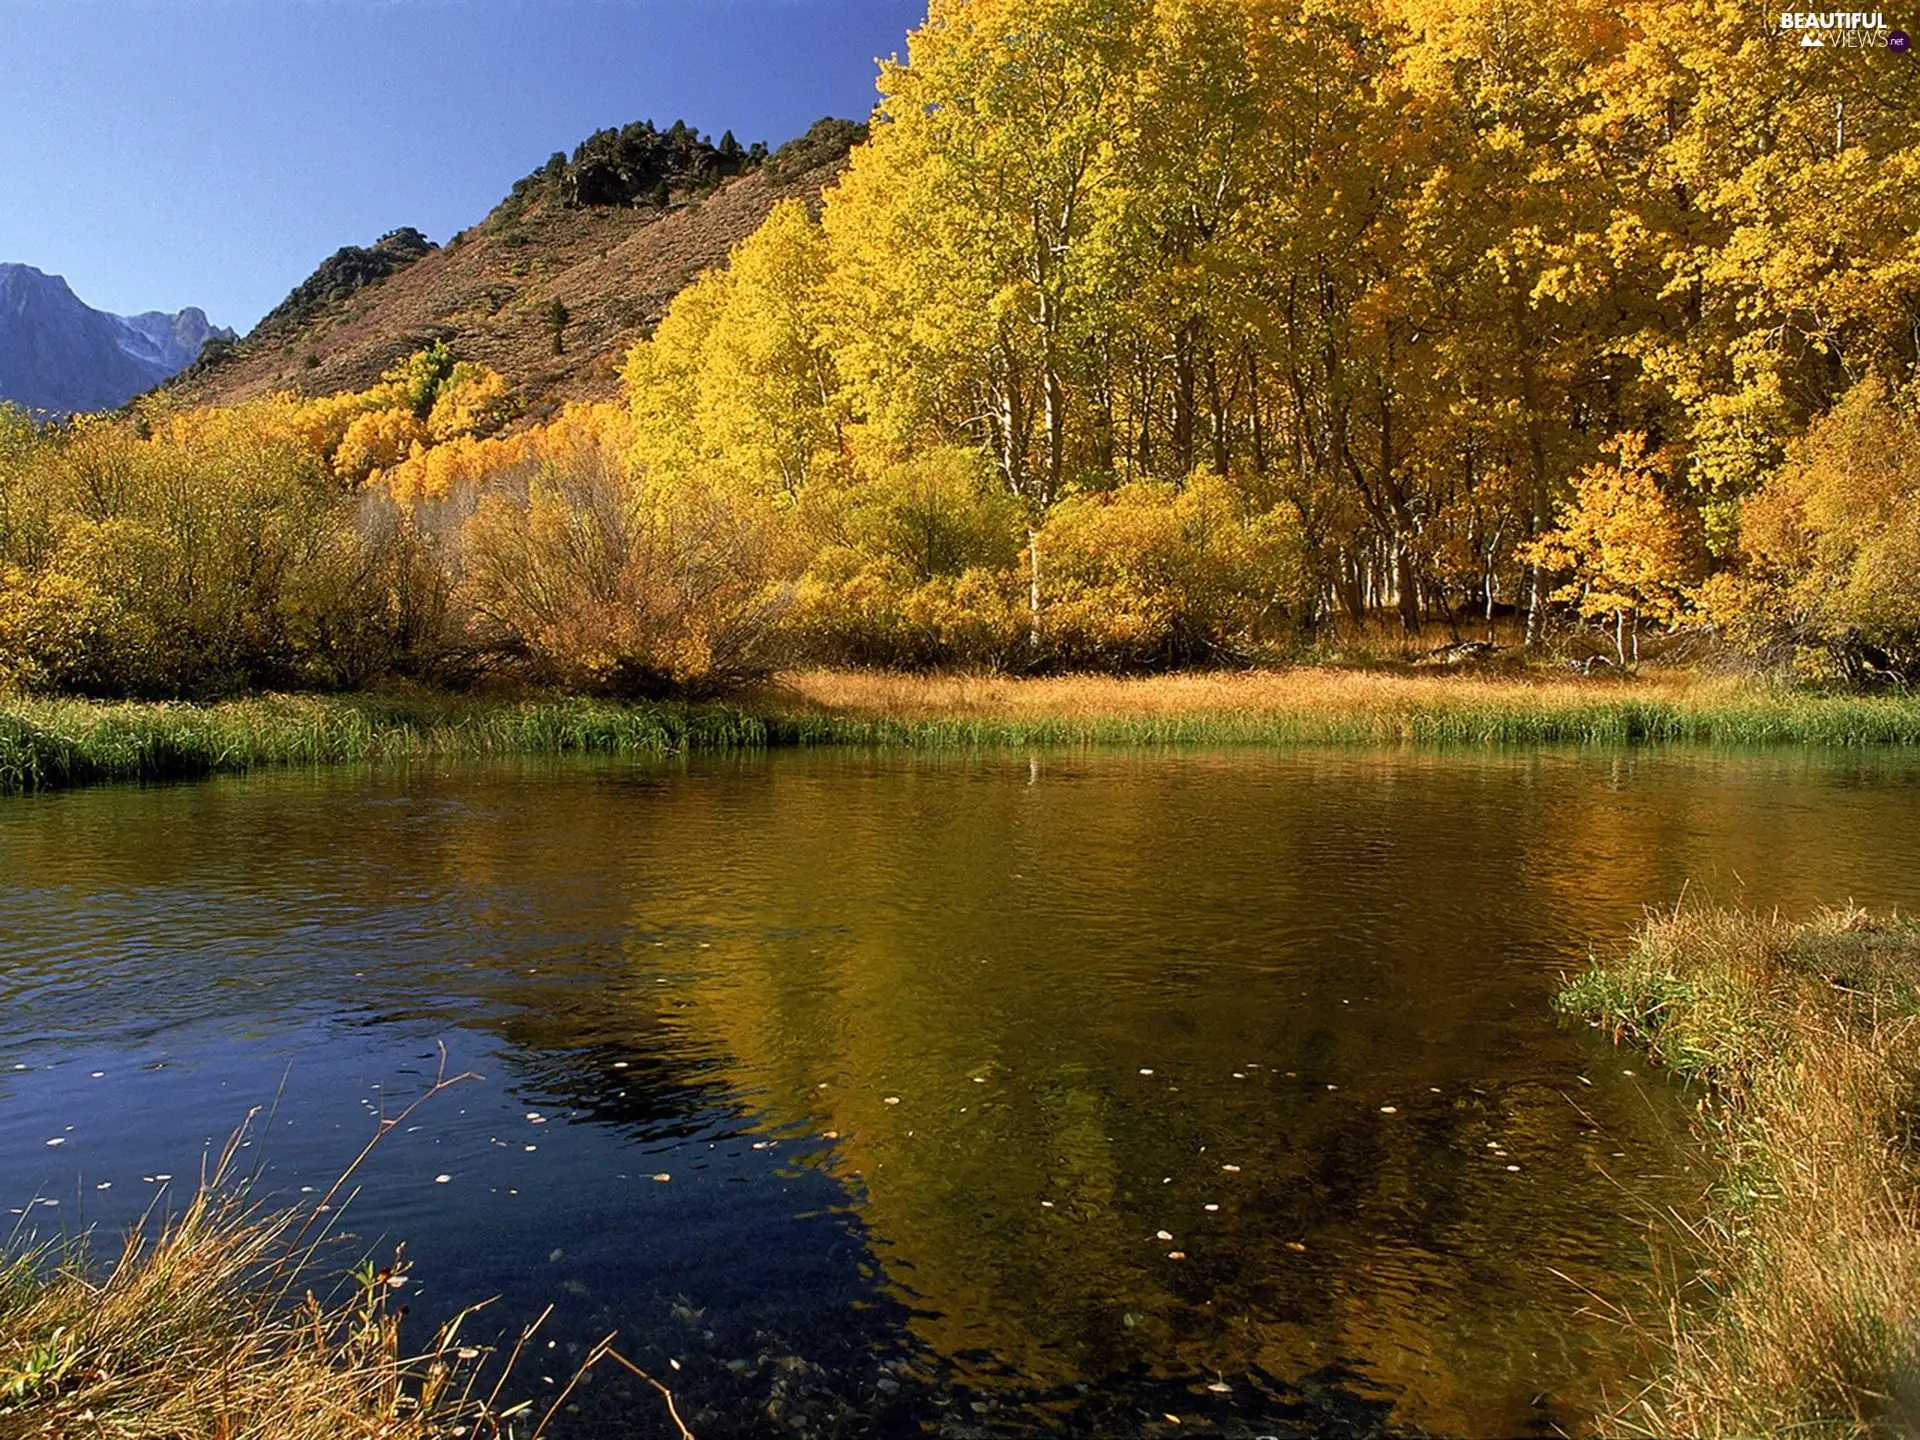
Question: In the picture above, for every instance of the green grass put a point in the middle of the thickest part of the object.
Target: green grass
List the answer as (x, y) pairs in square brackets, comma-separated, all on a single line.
[(1797, 1310), (53, 744), (1799, 721), (46, 745)]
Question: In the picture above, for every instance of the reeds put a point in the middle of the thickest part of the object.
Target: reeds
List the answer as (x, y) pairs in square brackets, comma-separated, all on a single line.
[(47, 745), (1323, 706), (1803, 1314), (205, 1327), (179, 1337)]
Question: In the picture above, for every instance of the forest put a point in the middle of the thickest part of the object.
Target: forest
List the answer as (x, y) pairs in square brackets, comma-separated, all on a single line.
[(1138, 334)]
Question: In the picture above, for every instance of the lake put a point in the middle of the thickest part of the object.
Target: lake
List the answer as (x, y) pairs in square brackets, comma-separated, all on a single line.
[(869, 1095)]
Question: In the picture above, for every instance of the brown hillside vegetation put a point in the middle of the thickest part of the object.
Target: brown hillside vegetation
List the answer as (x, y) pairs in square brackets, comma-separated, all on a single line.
[(487, 292)]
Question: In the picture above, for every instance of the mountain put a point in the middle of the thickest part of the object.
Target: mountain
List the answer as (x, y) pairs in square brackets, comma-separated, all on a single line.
[(59, 355), (613, 233)]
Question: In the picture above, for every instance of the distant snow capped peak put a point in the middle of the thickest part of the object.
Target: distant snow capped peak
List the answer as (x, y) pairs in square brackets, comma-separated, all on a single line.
[(58, 355)]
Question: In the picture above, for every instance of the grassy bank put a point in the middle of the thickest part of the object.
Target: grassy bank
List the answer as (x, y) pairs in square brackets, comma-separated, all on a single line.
[(53, 744), (46, 745), (1804, 1315), (1311, 705)]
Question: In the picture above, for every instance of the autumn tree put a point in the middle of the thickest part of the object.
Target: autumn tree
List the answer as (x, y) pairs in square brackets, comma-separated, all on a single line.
[(1832, 545), (968, 233), (738, 381), (1632, 550)]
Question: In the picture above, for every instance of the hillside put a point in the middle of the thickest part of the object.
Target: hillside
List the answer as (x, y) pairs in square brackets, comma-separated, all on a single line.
[(613, 234), (59, 355)]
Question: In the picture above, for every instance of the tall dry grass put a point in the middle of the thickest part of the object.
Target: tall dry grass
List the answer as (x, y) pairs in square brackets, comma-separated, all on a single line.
[(1802, 1314), (179, 1337), (206, 1325), (1295, 690), (1332, 706)]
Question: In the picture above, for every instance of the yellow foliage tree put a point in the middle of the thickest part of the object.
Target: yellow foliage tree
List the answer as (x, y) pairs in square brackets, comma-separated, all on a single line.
[(1832, 544), (1632, 550), (375, 440)]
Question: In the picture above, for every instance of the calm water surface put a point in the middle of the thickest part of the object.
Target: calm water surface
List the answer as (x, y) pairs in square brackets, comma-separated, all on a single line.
[(937, 1054)]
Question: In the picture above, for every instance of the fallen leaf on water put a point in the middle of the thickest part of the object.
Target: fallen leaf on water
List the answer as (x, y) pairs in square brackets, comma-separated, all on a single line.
[(891, 1100), (1176, 1254), (1295, 1245), (1163, 1235), (1389, 1110), (663, 1177), (1149, 1072), (1210, 1207), (441, 1179), (1220, 1389), (1231, 1169)]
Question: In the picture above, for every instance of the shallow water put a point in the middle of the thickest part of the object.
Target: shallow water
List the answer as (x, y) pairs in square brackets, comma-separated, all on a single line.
[(933, 1052)]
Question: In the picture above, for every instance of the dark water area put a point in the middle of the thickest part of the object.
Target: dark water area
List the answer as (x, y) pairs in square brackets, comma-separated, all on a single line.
[(873, 1096)]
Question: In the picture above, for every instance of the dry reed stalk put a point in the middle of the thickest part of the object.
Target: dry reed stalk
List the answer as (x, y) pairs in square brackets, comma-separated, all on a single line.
[(192, 1333), (1802, 1312)]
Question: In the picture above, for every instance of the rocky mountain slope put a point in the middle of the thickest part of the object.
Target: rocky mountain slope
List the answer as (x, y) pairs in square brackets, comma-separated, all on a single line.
[(59, 355), (612, 233)]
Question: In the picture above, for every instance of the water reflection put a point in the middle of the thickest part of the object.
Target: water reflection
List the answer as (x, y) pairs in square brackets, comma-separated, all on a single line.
[(999, 1093)]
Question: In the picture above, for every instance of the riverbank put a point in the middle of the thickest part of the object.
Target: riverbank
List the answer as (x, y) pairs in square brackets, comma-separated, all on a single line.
[(54, 744), (1803, 1312)]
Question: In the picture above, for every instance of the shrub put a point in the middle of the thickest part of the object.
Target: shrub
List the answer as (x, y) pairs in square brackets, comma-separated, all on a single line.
[(1832, 548), (620, 586), (1152, 575), (214, 555), (914, 567)]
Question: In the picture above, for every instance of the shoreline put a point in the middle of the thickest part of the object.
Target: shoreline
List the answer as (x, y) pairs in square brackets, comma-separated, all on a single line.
[(1794, 1279), (58, 744)]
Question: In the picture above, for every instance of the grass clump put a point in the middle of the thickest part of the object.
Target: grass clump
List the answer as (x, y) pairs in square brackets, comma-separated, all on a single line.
[(203, 1328), (180, 1337), (1804, 1315)]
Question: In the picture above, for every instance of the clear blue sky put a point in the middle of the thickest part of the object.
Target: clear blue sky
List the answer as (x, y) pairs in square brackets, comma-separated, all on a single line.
[(162, 153)]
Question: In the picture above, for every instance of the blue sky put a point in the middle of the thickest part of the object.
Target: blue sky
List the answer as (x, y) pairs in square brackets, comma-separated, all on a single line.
[(162, 153)]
